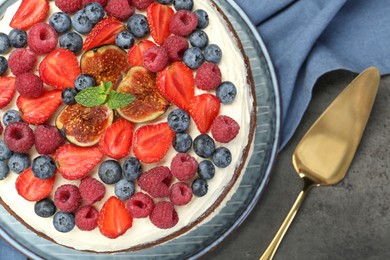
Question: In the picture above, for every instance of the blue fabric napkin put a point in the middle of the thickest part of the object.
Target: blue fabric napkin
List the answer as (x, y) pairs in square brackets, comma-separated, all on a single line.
[(8, 253), (307, 38)]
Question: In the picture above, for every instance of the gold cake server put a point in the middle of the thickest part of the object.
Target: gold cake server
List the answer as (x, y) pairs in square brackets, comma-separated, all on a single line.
[(324, 154)]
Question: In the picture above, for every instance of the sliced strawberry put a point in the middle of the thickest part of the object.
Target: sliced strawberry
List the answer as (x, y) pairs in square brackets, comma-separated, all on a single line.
[(117, 139), (104, 32), (151, 142), (136, 53), (59, 68), (32, 188), (74, 162), (203, 110), (29, 13), (114, 220), (159, 18), (7, 90), (176, 83), (36, 111)]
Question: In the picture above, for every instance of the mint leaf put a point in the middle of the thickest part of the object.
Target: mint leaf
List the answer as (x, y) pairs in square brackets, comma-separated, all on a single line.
[(118, 100), (105, 87), (91, 97)]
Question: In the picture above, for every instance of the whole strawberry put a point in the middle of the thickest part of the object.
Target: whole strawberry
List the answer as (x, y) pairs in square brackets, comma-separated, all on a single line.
[(47, 139)]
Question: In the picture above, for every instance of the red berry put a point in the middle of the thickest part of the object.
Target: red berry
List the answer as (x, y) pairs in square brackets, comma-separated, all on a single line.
[(21, 61), (184, 166), (42, 38), (224, 129), (183, 23), (47, 139), (119, 9), (19, 137), (164, 215), (69, 6), (1, 128), (29, 85), (208, 76), (67, 198), (175, 46), (156, 181), (140, 205), (91, 190), (155, 58), (86, 218), (102, 2), (181, 193), (141, 4)]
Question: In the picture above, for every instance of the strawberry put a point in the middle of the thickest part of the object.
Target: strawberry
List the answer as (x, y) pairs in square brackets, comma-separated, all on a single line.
[(29, 13), (203, 110), (104, 32), (176, 84), (135, 55), (151, 142), (74, 162), (117, 139), (159, 18), (32, 188), (36, 111), (7, 90), (59, 68), (114, 220)]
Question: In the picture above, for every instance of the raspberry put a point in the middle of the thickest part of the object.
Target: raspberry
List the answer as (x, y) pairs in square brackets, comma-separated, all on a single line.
[(175, 46), (67, 198), (29, 85), (181, 193), (69, 6), (140, 205), (102, 2), (155, 59), (184, 166), (86, 218), (119, 9), (21, 61), (47, 139), (42, 38), (19, 137), (91, 190), (164, 215), (156, 181), (208, 76), (224, 129), (141, 4), (183, 23)]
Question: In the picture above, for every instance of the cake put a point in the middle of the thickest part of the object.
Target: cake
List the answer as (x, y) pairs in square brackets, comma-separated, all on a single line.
[(234, 68)]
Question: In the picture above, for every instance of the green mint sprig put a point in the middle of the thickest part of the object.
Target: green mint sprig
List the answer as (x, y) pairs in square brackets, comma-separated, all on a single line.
[(102, 94)]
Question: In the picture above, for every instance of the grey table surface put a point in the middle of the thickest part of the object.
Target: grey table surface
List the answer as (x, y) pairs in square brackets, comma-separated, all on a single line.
[(350, 220)]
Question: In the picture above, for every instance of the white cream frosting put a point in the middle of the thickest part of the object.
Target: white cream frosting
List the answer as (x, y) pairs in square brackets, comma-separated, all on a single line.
[(233, 69)]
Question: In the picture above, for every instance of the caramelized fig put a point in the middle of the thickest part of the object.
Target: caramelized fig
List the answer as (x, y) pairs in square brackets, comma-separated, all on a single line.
[(149, 103)]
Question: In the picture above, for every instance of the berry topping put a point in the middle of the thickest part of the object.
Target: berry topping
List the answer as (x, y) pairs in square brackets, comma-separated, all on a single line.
[(60, 22), (203, 18), (213, 53), (32, 188), (67, 198), (29, 13), (3, 65), (183, 23), (94, 11), (136, 53), (22, 61), (125, 40), (199, 187), (203, 110), (184, 166), (164, 215), (91, 190), (159, 18), (204, 145), (199, 38), (141, 4), (183, 4), (206, 170), (156, 181), (132, 168), (5, 44), (155, 59), (47, 139), (181, 193), (29, 85), (103, 33), (119, 9), (175, 46), (140, 205), (69, 6), (43, 167), (84, 81), (63, 221), (208, 76), (224, 129), (45, 208), (7, 90), (110, 171), (193, 57), (226, 92), (17, 38), (4, 170), (86, 218), (10, 116), (71, 41), (42, 38), (68, 96), (81, 23), (179, 120), (18, 162), (182, 142), (124, 189), (138, 25), (5, 152), (222, 157), (19, 137)]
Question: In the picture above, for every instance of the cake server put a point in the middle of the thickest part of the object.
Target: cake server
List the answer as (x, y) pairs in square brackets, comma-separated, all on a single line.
[(324, 154)]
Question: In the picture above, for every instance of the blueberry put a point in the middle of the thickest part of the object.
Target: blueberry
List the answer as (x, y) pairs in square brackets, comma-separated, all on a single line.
[(18, 162), (183, 4), (60, 22), (182, 142), (5, 152), (226, 92), (71, 41), (138, 25), (43, 167), (63, 221), (222, 157), (125, 40), (94, 12), (165, 2), (213, 53), (199, 38), (45, 208), (124, 189), (3, 65), (203, 18), (110, 171), (68, 96), (84, 81), (206, 170), (204, 145), (4, 170), (17, 38), (193, 57), (199, 187), (11, 116), (132, 168), (179, 120), (81, 23), (5, 43)]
